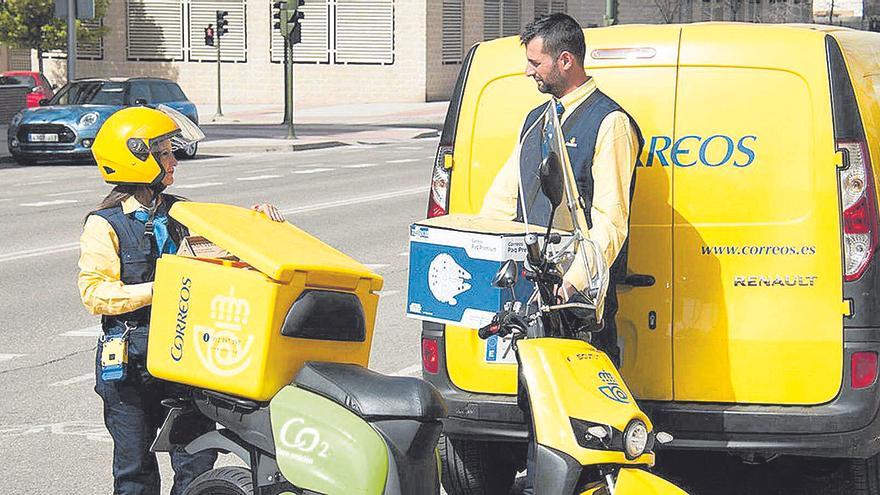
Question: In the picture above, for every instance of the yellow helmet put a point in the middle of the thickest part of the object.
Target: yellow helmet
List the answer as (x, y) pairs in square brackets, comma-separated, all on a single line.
[(124, 145)]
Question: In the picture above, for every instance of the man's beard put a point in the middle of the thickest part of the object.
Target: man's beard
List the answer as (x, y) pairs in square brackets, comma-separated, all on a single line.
[(553, 85)]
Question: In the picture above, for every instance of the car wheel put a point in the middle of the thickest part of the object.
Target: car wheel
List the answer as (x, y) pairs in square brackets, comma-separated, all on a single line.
[(843, 476), (470, 467), (188, 152)]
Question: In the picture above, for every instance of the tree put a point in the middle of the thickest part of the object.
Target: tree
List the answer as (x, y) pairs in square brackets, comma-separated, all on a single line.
[(668, 9), (32, 24)]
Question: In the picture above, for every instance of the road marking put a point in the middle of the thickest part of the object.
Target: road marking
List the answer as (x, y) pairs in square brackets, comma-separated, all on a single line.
[(261, 170), (353, 201), (54, 202), (405, 253), (408, 371), (376, 266), (18, 255), (70, 193), (94, 431), (199, 186), (72, 246), (95, 331), (410, 148), (404, 160), (388, 292), (360, 165), (312, 171), (76, 379), (7, 357), (259, 177), (37, 183)]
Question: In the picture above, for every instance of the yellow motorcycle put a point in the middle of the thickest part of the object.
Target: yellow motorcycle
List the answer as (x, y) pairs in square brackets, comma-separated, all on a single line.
[(588, 434)]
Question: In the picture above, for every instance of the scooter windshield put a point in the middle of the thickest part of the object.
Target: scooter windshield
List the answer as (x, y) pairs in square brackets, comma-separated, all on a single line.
[(584, 261)]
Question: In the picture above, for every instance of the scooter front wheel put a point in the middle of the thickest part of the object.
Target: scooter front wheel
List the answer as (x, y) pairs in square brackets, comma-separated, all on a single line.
[(231, 480)]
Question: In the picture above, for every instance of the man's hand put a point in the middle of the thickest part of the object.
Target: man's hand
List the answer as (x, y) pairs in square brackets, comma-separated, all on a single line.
[(270, 211), (564, 292)]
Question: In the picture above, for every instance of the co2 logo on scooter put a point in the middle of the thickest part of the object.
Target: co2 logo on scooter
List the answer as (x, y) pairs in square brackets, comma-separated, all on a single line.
[(295, 436), (612, 389)]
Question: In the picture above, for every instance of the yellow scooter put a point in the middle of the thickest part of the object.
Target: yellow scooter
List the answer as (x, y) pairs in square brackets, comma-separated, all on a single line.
[(588, 435)]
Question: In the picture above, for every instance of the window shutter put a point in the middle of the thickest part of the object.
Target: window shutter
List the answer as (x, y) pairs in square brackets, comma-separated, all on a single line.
[(491, 19), (510, 21), (233, 46), (453, 27), (364, 31), (315, 46), (154, 30)]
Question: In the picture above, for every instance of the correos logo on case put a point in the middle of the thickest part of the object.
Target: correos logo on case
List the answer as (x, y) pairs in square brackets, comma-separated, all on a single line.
[(223, 348), (717, 150)]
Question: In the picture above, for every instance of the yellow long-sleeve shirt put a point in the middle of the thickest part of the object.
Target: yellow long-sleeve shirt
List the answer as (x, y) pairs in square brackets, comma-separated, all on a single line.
[(614, 160), (100, 287)]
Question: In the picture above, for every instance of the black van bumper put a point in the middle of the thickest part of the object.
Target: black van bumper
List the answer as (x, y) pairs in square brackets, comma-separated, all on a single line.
[(485, 417), (848, 426)]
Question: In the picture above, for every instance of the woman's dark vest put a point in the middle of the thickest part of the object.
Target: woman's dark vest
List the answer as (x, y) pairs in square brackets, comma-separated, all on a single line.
[(137, 259), (581, 131)]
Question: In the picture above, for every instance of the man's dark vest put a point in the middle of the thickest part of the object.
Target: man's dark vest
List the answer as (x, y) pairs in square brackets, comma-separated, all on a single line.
[(581, 130), (137, 258)]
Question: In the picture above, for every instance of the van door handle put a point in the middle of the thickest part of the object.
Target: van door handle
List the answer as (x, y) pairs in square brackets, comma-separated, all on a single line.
[(638, 280)]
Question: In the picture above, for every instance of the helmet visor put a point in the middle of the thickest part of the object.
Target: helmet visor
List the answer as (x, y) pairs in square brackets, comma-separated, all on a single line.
[(189, 131)]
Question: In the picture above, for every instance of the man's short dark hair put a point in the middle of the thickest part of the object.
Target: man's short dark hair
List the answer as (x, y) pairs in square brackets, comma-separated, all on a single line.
[(560, 33)]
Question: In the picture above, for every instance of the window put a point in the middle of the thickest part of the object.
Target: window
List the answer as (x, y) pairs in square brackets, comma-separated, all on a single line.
[(154, 30), (500, 18), (84, 50), (176, 92), (139, 90), (315, 45), (364, 31), (544, 7), (16, 80), (90, 92), (160, 92), (233, 45), (453, 26)]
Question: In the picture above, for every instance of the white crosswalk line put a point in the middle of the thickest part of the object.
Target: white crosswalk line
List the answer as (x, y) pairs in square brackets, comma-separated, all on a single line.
[(404, 160), (94, 331), (70, 193), (259, 177), (54, 202), (17, 255), (405, 253), (198, 186), (7, 357), (77, 379), (386, 293), (360, 165), (312, 170)]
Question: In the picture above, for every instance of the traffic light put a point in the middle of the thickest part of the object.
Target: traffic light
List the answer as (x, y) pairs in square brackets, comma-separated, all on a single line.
[(295, 26), (279, 13), (222, 23), (209, 35)]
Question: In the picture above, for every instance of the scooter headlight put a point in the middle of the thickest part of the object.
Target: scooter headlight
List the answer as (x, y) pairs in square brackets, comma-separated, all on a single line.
[(635, 439)]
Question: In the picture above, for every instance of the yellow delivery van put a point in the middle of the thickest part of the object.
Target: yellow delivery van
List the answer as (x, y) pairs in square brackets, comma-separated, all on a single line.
[(749, 319), (245, 326)]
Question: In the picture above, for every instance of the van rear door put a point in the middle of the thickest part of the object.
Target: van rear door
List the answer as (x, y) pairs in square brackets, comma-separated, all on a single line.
[(757, 258)]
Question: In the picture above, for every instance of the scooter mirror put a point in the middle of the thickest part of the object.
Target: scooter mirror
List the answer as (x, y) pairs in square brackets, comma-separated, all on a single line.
[(551, 178), (507, 275)]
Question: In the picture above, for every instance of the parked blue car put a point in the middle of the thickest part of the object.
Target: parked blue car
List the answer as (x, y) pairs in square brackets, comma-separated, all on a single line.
[(64, 127)]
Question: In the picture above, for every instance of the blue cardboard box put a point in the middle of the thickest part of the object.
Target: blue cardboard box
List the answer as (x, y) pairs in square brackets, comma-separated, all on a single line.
[(452, 261)]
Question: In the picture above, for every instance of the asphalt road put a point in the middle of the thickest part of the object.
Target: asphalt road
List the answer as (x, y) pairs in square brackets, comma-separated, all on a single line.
[(359, 199)]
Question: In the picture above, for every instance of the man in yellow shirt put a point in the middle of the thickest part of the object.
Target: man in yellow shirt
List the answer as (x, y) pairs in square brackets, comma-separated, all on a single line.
[(603, 144)]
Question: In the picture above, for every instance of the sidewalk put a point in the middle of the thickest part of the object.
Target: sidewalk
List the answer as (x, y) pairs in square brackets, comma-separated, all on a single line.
[(244, 128)]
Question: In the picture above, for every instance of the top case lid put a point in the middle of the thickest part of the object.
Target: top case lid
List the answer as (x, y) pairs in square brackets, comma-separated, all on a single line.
[(277, 249)]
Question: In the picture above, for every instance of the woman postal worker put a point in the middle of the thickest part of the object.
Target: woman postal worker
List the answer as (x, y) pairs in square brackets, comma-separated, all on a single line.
[(120, 243)]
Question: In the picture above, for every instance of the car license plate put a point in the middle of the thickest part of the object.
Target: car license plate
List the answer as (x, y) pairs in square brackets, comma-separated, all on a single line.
[(499, 350), (43, 138)]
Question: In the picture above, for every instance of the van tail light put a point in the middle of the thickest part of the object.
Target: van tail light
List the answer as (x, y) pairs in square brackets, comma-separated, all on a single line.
[(864, 369), (438, 199), (430, 356), (860, 229)]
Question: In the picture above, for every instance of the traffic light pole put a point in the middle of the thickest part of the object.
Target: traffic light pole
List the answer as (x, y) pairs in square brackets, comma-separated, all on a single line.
[(219, 109), (289, 87)]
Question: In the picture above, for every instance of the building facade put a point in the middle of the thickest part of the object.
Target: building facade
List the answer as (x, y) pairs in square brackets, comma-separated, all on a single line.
[(353, 51)]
